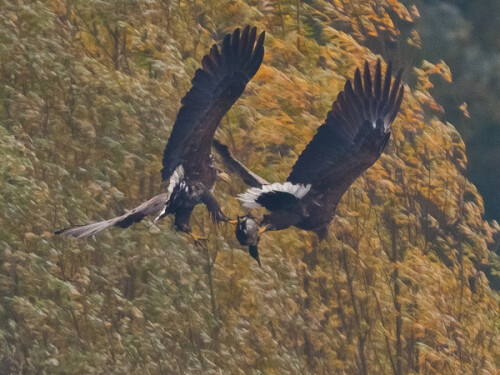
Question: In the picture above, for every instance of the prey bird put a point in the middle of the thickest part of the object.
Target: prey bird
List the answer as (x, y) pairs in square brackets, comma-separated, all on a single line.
[(187, 159), (352, 138)]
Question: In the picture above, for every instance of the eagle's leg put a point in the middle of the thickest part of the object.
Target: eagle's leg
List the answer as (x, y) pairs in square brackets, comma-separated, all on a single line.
[(213, 206), (182, 224), (182, 217), (322, 233), (278, 220)]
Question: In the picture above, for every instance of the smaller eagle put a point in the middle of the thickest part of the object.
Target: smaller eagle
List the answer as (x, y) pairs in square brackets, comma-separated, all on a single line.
[(352, 138), (187, 159)]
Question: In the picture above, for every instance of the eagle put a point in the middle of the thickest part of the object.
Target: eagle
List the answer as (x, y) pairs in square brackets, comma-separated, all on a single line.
[(187, 160), (352, 138)]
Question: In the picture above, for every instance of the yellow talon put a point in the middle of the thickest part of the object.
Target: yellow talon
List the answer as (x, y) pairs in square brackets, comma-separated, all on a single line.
[(262, 229), (197, 238)]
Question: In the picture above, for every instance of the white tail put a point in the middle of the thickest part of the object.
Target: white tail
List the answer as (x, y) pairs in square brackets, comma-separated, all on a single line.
[(249, 198)]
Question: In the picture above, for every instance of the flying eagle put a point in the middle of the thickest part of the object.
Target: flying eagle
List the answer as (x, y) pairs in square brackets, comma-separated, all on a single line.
[(187, 160), (353, 137)]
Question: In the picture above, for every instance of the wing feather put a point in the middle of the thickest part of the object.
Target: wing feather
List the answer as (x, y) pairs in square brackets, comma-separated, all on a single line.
[(215, 87), (387, 82), (377, 84), (354, 134), (367, 81), (236, 166)]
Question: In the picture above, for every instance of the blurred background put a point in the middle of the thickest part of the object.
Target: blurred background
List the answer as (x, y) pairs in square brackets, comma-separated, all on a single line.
[(408, 280), (465, 35)]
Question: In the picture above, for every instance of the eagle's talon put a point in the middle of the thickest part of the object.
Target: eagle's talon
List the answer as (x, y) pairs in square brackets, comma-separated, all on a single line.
[(351, 139), (198, 239)]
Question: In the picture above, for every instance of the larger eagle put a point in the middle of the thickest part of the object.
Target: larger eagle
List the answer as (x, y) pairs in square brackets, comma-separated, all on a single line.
[(352, 138), (187, 159)]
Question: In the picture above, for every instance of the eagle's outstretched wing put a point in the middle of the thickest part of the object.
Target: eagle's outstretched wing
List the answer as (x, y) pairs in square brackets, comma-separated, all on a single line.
[(234, 165), (353, 136), (215, 88), (150, 208)]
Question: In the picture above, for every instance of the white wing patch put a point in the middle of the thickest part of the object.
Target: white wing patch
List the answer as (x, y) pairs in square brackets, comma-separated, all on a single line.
[(174, 180), (176, 177), (249, 198)]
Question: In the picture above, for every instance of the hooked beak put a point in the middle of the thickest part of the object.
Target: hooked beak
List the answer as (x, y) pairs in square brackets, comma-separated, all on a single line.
[(223, 176)]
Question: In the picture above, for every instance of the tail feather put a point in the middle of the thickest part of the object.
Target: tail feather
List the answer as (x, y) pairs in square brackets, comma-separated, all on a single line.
[(150, 208), (87, 230), (255, 197)]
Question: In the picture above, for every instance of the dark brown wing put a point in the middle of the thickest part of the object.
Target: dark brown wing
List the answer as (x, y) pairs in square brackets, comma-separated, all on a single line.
[(152, 208), (234, 165), (354, 134), (216, 86)]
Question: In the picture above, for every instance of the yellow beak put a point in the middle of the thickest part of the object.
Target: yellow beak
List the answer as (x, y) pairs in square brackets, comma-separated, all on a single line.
[(224, 177)]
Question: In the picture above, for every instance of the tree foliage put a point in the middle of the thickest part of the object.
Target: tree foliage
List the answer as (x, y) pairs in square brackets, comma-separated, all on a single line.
[(465, 35), (89, 93)]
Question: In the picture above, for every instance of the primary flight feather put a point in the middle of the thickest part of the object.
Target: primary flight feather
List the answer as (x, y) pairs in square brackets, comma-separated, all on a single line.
[(187, 159), (351, 139)]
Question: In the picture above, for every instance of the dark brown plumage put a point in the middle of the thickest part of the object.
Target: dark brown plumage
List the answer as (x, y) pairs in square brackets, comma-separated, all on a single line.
[(187, 160), (355, 133)]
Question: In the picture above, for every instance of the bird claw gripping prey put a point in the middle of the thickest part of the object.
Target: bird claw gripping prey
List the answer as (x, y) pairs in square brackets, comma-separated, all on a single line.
[(187, 159), (352, 138)]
